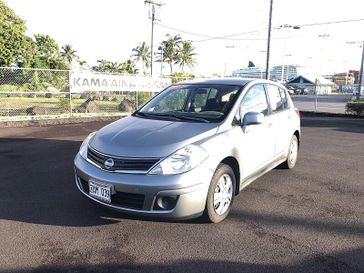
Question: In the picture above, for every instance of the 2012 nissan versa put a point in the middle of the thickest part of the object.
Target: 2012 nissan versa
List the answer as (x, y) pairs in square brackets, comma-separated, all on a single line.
[(191, 149)]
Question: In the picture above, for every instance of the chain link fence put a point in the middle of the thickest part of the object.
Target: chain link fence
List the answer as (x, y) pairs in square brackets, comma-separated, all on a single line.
[(28, 94), (33, 80)]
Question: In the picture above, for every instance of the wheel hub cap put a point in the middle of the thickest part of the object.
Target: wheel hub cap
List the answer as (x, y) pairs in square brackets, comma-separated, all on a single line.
[(223, 194), (293, 152)]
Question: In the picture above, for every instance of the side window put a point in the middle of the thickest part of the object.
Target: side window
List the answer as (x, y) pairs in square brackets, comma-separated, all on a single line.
[(255, 100), (284, 98), (277, 98)]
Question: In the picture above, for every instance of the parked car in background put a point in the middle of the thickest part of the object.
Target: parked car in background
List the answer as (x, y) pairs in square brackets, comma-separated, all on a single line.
[(191, 149), (291, 90), (294, 90)]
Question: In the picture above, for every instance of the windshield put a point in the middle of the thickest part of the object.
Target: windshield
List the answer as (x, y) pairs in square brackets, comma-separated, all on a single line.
[(192, 103)]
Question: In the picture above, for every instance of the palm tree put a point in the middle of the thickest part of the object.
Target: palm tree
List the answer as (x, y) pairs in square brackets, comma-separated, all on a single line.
[(68, 53), (186, 55), (102, 66), (129, 67), (114, 67), (170, 48), (83, 64), (142, 53)]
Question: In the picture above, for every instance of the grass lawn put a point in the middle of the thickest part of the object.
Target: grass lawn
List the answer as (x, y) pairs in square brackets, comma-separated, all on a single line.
[(17, 105)]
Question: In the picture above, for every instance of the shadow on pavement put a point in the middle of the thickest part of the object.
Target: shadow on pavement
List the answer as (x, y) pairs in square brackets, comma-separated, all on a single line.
[(316, 263), (37, 184), (300, 223)]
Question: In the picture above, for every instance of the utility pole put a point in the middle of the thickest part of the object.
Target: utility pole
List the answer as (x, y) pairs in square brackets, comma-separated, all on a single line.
[(152, 17), (361, 74), (267, 76)]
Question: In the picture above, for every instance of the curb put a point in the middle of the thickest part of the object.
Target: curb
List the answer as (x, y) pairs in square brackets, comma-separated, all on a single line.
[(327, 114), (60, 121)]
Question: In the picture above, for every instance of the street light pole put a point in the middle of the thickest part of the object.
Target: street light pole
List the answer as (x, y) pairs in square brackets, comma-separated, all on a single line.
[(151, 41), (267, 76)]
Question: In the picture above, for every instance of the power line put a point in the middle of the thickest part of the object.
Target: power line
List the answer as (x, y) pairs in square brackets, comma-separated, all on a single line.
[(230, 36), (184, 31), (330, 23)]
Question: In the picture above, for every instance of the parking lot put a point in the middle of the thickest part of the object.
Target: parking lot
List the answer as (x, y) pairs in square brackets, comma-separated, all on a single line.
[(309, 219), (325, 103)]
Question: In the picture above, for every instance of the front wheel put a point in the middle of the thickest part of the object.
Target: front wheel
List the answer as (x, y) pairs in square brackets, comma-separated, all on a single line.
[(221, 194), (292, 154)]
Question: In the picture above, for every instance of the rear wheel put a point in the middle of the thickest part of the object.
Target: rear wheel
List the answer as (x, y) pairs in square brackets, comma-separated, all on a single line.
[(221, 194), (292, 154)]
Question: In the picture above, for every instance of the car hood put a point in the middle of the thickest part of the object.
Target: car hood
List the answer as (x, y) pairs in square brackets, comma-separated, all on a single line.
[(140, 137)]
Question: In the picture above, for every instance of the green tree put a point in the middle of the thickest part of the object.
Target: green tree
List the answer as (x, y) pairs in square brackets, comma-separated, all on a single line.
[(102, 66), (12, 36), (69, 54), (115, 67), (142, 53), (48, 53), (186, 55), (28, 56), (129, 67), (170, 48), (83, 64)]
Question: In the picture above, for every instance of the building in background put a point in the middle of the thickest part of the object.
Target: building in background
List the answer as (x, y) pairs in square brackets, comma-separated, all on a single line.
[(313, 84), (345, 78), (249, 72), (289, 72), (283, 73)]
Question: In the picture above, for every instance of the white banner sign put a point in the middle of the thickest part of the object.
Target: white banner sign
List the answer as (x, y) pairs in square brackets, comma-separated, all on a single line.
[(88, 81)]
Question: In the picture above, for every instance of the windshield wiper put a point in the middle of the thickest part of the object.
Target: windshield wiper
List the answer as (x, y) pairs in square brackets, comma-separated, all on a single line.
[(186, 117), (171, 115), (155, 115), (137, 113)]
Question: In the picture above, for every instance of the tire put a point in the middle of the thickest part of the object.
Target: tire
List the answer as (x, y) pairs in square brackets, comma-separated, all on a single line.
[(222, 184), (292, 154)]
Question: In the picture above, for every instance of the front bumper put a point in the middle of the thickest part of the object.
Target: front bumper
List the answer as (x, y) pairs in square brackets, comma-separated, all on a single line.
[(138, 193)]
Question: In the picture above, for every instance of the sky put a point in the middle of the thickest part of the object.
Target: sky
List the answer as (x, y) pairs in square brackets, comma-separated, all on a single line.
[(109, 29)]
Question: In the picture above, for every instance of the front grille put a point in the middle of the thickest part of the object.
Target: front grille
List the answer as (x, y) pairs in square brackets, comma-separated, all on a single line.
[(120, 163), (120, 199)]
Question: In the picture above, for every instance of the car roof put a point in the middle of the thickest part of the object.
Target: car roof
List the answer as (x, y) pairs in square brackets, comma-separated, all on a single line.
[(227, 81)]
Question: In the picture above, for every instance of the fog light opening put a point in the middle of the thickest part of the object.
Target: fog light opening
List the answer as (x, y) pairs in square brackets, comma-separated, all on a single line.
[(166, 202)]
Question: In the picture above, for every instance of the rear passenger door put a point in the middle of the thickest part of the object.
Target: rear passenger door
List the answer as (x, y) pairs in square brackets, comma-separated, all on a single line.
[(280, 118), (257, 142)]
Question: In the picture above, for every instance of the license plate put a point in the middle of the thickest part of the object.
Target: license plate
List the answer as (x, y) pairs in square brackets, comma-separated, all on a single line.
[(100, 191)]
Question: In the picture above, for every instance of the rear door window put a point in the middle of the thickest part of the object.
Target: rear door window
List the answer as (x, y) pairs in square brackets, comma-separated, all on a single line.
[(277, 98)]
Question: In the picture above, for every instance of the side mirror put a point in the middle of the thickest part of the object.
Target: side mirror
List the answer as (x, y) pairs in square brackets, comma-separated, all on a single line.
[(252, 118)]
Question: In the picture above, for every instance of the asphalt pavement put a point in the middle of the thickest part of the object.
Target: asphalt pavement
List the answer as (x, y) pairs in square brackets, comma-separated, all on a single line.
[(309, 219), (325, 103)]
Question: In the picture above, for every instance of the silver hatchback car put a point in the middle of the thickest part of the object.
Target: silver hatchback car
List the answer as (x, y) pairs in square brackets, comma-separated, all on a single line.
[(191, 149)]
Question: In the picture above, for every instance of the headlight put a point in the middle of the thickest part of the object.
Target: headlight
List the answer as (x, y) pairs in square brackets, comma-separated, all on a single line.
[(84, 145), (181, 161)]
